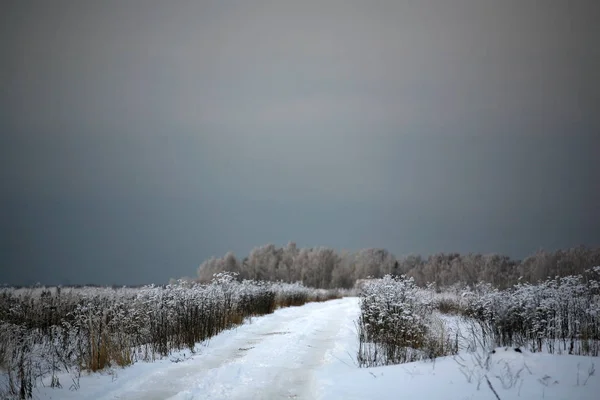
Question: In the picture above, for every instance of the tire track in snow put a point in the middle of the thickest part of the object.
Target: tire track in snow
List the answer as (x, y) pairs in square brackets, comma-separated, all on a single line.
[(281, 367)]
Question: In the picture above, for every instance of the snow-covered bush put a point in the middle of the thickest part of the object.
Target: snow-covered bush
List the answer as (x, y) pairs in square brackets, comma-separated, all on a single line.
[(397, 324), (448, 301), (557, 315), (44, 331)]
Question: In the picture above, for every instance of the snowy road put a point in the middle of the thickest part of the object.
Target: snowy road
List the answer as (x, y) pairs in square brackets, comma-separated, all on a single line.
[(273, 357), (308, 352)]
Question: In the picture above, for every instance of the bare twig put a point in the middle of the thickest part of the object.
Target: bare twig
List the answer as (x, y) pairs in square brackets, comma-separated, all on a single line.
[(492, 388)]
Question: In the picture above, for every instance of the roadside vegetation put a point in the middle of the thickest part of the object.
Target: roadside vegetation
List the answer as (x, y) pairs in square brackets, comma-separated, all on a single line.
[(556, 316), (548, 302), (397, 324), (400, 322), (47, 332)]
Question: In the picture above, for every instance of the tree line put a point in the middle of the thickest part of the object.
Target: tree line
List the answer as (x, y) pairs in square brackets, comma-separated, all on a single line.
[(323, 267)]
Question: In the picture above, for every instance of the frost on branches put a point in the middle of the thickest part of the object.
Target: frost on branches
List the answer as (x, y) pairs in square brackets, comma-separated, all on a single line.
[(560, 315), (397, 324)]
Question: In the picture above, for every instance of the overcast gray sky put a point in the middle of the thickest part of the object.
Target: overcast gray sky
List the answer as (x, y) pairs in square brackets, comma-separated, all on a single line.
[(139, 138)]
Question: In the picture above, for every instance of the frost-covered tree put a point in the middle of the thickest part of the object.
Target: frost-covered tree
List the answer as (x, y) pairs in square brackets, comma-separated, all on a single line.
[(328, 268), (214, 265), (321, 263), (343, 274), (263, 262), (285, 269), (374, 263), (208, 268)]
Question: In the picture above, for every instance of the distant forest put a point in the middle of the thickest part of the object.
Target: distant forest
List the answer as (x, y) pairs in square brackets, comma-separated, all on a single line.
[(323, 267)]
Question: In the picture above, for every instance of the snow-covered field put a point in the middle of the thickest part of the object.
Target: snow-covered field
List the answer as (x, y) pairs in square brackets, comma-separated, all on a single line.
[(309, 352)]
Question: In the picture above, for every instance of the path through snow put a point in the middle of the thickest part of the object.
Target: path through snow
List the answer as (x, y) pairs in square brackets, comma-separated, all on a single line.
[(308, 352), (272, 357)]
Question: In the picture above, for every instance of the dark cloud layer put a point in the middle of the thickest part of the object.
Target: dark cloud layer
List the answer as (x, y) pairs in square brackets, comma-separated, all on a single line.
[(139, 138)]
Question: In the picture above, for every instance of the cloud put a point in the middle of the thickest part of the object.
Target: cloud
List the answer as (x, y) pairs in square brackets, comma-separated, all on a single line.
[(322, 122)]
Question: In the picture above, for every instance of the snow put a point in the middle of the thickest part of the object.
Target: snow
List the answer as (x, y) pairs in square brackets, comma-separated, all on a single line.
[(541, 376), (309, 352)]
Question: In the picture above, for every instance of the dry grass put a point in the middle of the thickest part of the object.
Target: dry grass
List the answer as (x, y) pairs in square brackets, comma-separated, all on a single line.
[(44, 332)]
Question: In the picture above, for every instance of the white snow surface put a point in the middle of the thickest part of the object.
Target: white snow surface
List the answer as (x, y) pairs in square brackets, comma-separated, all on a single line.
[(309, 352)]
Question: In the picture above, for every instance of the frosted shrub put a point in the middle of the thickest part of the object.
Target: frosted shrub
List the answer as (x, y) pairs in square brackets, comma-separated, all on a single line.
[(557, 315), (396, 323)]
